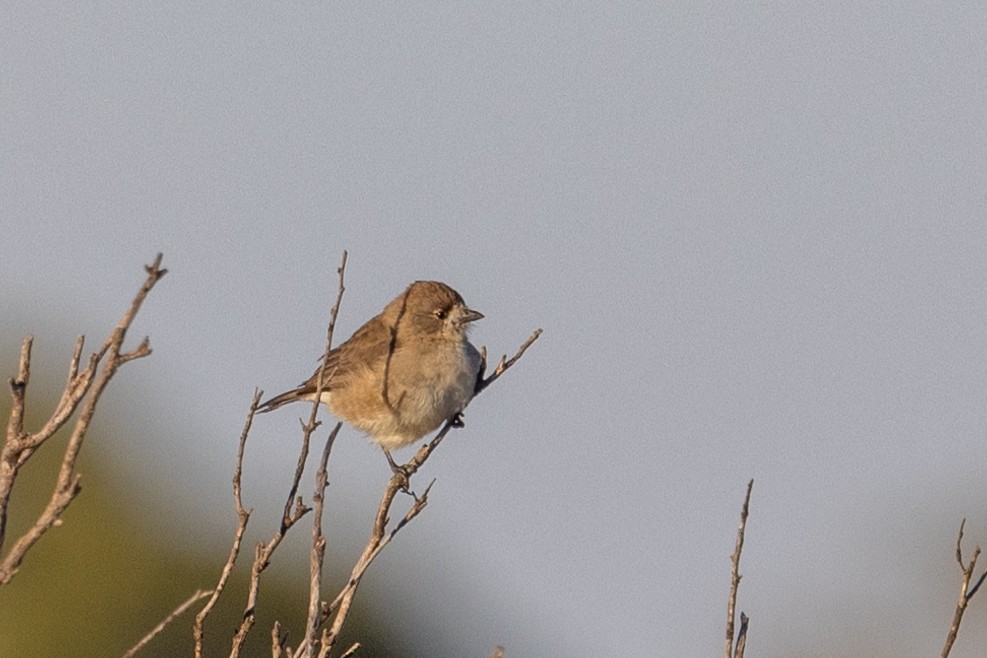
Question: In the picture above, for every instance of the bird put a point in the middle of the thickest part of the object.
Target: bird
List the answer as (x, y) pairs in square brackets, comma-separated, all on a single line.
[(404, 372)]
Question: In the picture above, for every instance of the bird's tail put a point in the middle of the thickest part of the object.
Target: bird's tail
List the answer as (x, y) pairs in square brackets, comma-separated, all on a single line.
[(280, 400)]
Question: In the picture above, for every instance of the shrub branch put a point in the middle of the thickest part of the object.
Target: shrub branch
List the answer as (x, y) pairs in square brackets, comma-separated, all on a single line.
[(82, 390)]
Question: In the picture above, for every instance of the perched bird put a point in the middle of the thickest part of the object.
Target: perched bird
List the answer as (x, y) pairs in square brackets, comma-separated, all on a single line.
[(404, 372)]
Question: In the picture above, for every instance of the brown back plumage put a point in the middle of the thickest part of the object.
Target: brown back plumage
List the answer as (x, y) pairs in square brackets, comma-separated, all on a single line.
[(418, 313)]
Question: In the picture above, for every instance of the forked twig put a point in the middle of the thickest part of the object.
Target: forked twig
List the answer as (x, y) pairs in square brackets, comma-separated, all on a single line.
[(504, 363), (82, 390), (966, 591)]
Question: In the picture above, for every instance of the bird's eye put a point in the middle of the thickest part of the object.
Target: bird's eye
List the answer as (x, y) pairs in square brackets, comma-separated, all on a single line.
[(441, 314)]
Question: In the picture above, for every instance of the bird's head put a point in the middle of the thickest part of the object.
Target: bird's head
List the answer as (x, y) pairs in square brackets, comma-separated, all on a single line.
[(430, 309)]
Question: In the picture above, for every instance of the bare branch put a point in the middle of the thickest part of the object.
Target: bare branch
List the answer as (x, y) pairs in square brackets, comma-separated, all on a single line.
[(318, 548), (290, 516), (20, 445), (18, 390), (243, 517), (378, 540), (505, 363), (308, 428), (966, 591), (334, 312), (75, 389), (262, 559), (318, 539), (735, 582), (959, 545), (199, 594)]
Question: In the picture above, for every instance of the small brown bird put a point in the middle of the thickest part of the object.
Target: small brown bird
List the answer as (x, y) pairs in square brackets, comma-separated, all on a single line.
[(404, 372)]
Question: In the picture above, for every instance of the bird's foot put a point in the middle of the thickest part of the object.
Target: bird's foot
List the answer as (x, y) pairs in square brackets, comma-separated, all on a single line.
[(401, 471)]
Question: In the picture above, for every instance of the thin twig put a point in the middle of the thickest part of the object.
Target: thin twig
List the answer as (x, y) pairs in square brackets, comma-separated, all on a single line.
[(262, 559), (334, 312), (317, 554), (966, 591), (20, 445), (199, 594), (735, 582), (318, 548), (243, 517), (319, 389), (18, 391), (505, 363), (379, 539), (290, 515)]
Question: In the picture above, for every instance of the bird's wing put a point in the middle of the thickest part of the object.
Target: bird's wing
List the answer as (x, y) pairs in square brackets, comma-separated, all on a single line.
[(367, 347)]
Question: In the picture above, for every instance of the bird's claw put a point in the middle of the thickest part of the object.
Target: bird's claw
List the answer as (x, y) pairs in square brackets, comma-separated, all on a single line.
[(401, 471)]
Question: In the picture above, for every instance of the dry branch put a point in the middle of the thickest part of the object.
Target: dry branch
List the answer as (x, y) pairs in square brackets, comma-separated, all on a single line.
[(966, 591), (318, 548), (243, 517), (83, 389), (294, 510), (199, 594), (262, 559), (317, 554), (351, 651), (735, 584)]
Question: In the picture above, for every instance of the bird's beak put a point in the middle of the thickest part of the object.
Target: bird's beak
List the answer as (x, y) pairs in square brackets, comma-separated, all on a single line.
[(470, 315)]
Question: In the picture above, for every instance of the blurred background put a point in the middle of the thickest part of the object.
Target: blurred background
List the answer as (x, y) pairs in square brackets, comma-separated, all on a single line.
[(754, 236)]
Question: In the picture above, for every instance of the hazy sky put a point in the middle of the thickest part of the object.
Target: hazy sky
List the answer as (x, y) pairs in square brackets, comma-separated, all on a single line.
[(754, 236)]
